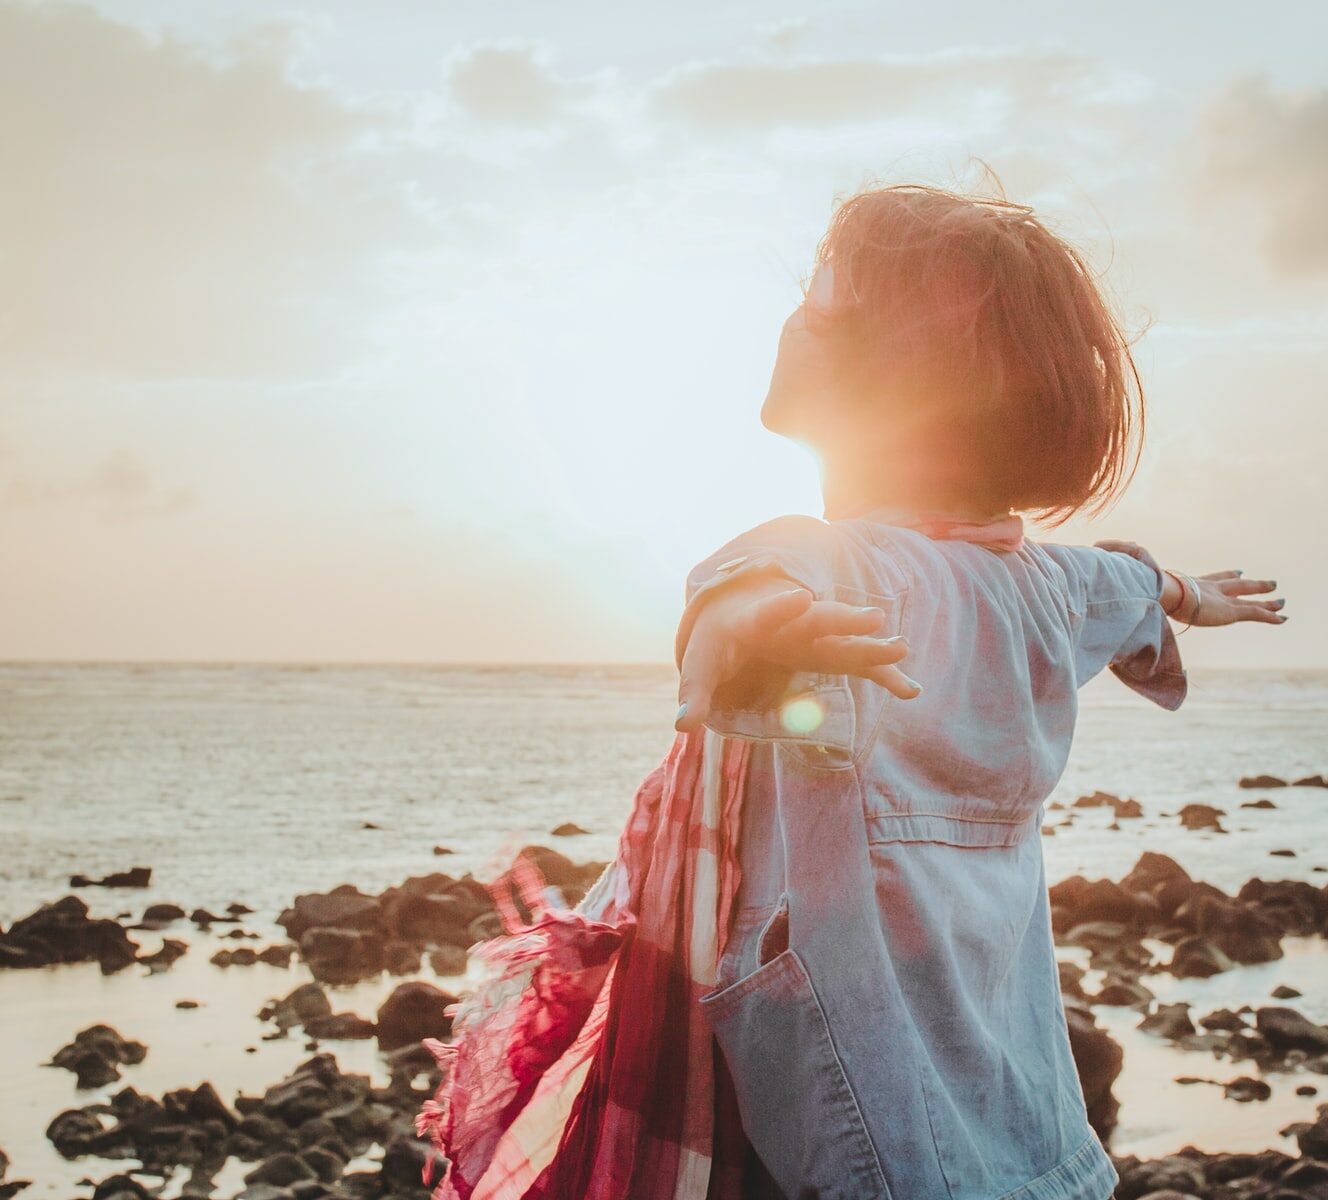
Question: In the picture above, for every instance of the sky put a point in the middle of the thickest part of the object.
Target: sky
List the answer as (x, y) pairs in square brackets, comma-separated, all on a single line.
[(425, 332)]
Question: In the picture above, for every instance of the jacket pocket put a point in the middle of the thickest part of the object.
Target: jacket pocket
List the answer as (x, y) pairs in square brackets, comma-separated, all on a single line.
[(797, 1107)]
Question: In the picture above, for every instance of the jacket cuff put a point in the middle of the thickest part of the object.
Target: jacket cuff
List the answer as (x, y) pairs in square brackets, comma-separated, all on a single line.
[(1154, 669)]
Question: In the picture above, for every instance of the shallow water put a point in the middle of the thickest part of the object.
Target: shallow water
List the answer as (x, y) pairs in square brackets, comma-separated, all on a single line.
[(254, 783)]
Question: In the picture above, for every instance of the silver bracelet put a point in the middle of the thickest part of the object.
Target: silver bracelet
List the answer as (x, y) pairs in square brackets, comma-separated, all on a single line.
[(1188, 581)]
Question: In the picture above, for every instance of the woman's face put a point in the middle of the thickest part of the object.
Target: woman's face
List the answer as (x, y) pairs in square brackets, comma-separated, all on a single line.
[(801, 403)]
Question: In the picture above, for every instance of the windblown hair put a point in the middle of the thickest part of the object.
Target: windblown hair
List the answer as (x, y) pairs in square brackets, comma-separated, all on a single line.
[(990, 334)]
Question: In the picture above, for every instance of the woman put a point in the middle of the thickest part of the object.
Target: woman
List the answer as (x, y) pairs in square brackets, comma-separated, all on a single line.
[(888, 1005)]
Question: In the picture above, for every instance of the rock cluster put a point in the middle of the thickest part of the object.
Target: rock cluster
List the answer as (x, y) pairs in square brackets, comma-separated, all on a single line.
[(64, 933), (96, 1055), (300, 1134), (1268, 1175), (345, 935)]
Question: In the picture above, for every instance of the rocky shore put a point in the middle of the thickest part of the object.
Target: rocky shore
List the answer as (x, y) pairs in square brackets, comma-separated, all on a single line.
[(321, 1131)]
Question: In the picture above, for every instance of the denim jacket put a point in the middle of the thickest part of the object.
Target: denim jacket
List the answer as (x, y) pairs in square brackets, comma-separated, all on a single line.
[(888, 1002)]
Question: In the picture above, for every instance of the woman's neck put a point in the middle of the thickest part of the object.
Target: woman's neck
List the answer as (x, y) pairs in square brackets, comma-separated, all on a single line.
[(852, 491)]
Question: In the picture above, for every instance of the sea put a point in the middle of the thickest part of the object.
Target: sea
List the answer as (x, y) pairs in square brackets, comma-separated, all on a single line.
[(258, 782)]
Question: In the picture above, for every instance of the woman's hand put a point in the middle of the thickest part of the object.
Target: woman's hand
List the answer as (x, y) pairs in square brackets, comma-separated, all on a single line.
[(1223, 600), (762, 618), (1221, 595)]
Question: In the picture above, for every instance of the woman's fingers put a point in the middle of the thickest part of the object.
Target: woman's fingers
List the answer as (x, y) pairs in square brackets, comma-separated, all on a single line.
[(1247, 587), (761, 619), (870, 658), (827, 618), (1260, 610), (702, 670), (837, 655), (896, 682)]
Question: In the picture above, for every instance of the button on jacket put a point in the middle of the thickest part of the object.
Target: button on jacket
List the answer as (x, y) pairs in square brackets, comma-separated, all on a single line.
[(888, 1002)]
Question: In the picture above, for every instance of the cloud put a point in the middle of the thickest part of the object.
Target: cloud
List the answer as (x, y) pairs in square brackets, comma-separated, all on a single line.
[(167, 214), (509, 84), (1269, 151), (842, 91), (118, 484)]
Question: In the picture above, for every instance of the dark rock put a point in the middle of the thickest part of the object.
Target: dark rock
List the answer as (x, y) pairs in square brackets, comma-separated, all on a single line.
[(448, 960), (309, 1091), (162, 959), (186, 1004), (1123, 809), (567, 829), (158, 916), (277, 955), (1262, 781), (64, 933), (1313, 1138), (281, 1169), (441, 850), (1224, 1019), (135, 877), (401, 958), (1175, 1174), (120, 1187), (1116, 992), (340, 1027), (1311, 781), (1197, 958), (404, 1162), (1282, 853), (337, 955), (1152, 870), (430, 919), (1171, 1021), (412, 1012), (1071, 977), (1245, 1089), (557, 871), (96, 1055), (344, 907), (482, 928), (323, 1162), (308, 1002), (1286, 1029), (1240, 931), (1258, 804), (1099, 900), (1201, 816), (241, 956), (1098, 1059), (1293, 906), (203, 918), (1283, 992), (266, 1191)]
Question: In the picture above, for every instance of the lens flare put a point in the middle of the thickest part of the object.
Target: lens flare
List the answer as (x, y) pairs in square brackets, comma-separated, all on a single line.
[(803, 714)]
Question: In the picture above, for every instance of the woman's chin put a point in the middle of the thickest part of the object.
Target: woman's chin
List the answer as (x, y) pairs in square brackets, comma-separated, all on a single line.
[(777, 414)]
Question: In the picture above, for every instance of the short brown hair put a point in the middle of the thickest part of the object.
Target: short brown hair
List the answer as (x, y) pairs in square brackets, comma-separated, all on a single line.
[(971, 309)]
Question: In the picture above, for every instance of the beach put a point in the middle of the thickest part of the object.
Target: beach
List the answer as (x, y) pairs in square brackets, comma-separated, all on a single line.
[(244, 787)]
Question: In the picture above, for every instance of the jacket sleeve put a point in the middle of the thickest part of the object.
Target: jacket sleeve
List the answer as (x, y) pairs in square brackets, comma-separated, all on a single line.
[(1117, 620), (765, 701)]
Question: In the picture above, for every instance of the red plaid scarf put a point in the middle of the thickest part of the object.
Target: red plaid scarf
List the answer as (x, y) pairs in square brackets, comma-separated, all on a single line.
[(582, 1066)]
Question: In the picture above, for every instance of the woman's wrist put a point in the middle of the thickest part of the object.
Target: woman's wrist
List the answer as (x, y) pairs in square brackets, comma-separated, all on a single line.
[(1180, 598)]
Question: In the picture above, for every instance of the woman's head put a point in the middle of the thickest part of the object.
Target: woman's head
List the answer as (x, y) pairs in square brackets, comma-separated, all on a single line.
[(963, 347)]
